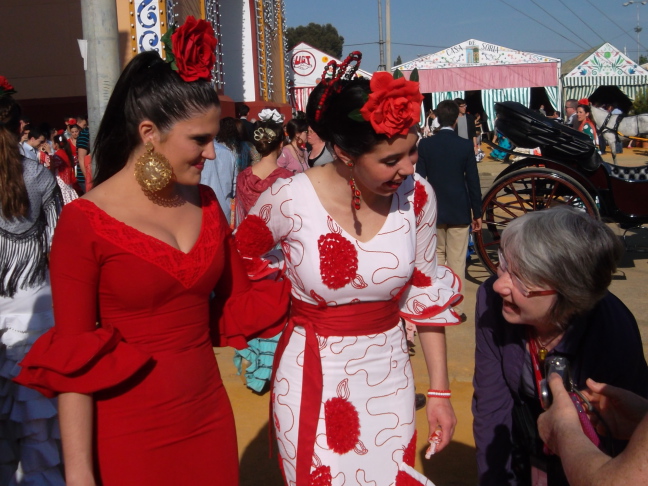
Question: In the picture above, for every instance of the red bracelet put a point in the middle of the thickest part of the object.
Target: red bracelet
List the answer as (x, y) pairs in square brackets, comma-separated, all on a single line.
[(439, 393)]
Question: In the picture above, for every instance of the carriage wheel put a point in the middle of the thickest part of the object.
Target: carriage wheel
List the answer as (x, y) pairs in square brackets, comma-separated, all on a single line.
[(522, 191)]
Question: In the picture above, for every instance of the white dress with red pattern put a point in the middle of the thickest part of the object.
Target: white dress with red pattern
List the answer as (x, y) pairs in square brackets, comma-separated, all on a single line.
[(364, 426)]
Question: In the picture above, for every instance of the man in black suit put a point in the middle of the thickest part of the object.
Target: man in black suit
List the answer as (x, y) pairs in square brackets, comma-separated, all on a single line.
[(243, 111), (448, 162)]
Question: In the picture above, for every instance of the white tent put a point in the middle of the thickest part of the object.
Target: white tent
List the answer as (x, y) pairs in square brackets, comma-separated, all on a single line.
[(602, 66), (502, 74), (305, 71)]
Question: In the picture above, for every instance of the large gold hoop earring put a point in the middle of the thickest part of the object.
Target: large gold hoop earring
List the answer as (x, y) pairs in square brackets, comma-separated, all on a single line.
[(153, 171)]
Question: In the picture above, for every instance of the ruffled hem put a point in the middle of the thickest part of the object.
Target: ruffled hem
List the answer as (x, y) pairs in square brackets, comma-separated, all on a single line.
[(432, 306), (81, 363), (260, 356)]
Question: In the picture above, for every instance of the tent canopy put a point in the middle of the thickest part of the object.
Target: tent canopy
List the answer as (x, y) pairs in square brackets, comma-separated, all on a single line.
[(305, 70), (602, 66), (502, 74)]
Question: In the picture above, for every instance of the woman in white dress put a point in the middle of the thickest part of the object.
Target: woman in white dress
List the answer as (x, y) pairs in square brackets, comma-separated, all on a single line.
[(359, 242), (30, 202)]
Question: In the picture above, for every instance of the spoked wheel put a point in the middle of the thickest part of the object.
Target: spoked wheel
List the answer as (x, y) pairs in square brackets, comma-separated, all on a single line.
[(522, 191)]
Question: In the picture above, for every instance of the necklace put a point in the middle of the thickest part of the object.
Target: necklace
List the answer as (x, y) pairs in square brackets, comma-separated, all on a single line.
[(542, 351), (301, 158)]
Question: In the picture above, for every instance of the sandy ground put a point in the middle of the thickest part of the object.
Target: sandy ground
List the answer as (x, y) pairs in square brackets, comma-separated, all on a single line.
[(456, 465)]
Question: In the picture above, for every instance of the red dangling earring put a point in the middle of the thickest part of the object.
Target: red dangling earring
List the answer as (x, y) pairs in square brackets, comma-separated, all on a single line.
[(355, 192)]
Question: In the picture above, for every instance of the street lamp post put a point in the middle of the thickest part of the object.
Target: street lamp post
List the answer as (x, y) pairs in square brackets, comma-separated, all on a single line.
[(638, 28)]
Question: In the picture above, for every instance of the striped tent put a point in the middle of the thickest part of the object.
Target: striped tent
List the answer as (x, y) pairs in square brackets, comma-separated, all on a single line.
[(602, 66), (500, 73)]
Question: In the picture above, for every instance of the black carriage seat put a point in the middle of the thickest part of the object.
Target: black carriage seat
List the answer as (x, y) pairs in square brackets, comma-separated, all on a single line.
[(529, 129), (628, 173)]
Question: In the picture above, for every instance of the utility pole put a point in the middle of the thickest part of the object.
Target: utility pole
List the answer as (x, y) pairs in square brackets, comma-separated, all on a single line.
[(638, 28), (381, 42), (388, 33), (99, 20)]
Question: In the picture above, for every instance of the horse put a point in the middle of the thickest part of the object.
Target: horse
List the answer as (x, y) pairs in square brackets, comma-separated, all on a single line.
[(611, 126)]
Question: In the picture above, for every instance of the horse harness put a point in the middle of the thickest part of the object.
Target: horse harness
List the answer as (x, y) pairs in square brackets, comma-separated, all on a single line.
[(604, 128)]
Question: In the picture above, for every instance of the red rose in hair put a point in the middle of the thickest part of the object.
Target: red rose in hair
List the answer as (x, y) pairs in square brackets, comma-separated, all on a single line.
[(5, 86), (394, 105), (193, 46)]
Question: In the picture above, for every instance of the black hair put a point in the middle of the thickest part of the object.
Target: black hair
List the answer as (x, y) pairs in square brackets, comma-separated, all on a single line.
[(447, 113), (228, 134), (460, 101), (335, 125), (295, 126), (14, 200), (148, 89), (36, 133), (243, 110), (268, 137)]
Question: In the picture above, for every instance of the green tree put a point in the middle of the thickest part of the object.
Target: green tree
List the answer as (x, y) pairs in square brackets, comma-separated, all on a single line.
[(398, 61), (643, 60), (640, 104), (323, 37)]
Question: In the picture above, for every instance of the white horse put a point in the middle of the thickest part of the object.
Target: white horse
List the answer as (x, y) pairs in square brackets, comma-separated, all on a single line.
[(629, 126)]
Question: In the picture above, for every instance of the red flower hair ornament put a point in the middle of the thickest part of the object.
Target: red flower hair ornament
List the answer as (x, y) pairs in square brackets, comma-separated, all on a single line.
[(394, 105), (190, 49), (5, 87)]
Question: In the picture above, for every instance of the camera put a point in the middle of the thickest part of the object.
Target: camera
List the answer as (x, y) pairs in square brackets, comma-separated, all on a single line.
[(554, 364)]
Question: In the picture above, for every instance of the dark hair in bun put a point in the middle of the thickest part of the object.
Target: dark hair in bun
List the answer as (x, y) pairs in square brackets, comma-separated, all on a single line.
[(335, 125), (267, 137)]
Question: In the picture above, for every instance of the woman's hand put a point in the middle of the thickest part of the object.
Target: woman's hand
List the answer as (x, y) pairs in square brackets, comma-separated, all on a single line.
[(441, 415)]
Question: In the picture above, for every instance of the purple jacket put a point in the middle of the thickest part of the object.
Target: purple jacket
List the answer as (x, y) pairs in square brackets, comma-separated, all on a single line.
[(604, 345)]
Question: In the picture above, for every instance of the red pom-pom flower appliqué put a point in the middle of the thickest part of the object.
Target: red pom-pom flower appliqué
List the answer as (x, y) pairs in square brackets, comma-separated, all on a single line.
[(409, 456), (321, 476), (420, 199), (419, 279), (338, 258), (342, 421), (253, 237)]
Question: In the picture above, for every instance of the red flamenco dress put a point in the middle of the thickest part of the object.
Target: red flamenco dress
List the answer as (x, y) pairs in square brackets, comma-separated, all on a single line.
[(133, 329)]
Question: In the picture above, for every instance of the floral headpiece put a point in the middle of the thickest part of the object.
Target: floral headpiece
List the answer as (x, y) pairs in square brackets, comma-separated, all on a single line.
[(272, 115), (190, 49), (5, 88), (394, 105), (584, 101)]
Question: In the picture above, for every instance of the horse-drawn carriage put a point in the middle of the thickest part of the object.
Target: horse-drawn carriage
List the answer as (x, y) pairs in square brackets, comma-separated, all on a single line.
[(570, 171)]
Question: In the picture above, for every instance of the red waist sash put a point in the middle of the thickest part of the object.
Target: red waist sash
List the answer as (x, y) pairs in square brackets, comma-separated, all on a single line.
[(344, 320)]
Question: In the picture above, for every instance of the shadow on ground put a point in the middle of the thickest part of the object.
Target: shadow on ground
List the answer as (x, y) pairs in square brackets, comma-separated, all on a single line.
[(257, 467), (454, 466)]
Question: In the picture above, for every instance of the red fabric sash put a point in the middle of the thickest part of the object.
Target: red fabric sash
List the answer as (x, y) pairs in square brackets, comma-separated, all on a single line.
[(344, 320)]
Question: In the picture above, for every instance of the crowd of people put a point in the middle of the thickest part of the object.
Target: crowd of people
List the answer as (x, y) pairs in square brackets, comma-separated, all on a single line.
[(316, 248)]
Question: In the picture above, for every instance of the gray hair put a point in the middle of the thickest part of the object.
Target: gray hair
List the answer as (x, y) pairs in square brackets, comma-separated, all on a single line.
[(566, 250)]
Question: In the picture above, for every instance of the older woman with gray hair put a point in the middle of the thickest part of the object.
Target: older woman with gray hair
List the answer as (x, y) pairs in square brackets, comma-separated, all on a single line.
[(550, 298)]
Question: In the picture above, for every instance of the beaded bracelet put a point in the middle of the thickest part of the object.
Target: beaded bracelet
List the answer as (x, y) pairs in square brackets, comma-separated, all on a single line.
[(439, 393)]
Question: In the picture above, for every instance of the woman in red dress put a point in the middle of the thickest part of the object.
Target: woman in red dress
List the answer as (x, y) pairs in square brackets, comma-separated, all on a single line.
[(133, 265)]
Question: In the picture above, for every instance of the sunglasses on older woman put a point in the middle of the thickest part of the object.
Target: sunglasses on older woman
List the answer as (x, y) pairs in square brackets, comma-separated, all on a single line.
[(519, 285)]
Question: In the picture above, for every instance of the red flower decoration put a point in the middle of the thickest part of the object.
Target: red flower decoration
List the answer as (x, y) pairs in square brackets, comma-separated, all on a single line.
[(321, 476), (394, 105), (194, 45), (420, 198), (5, 86), (410, 452), (338, 260), (342, 421), (253, 237), (419, 279), (404, 479)]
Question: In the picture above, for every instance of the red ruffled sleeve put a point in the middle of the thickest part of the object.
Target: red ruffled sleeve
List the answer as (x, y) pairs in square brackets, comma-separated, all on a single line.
[(244, 310), (81, 363), (76, 355)]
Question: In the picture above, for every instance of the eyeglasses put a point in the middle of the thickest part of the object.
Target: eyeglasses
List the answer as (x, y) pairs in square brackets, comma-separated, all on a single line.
[(503, 268)]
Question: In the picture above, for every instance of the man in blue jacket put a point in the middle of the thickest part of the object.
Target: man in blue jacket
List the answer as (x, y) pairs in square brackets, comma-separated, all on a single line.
[(448, 162)]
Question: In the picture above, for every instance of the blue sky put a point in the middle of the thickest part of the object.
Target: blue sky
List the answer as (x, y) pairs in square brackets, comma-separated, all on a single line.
[(420, 27)]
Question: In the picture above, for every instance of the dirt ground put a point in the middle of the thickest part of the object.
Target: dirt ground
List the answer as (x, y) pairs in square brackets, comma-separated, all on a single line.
[(454, 466)]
